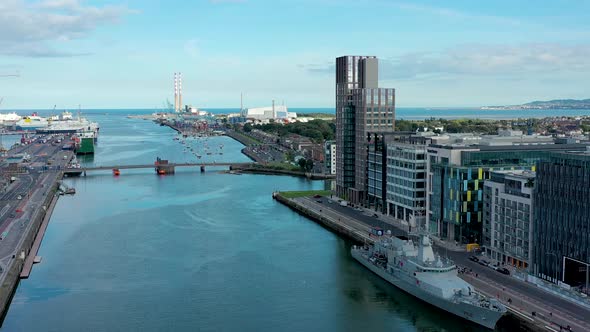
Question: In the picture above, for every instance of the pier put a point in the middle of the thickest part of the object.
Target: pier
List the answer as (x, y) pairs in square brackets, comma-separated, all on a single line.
[(30, 260)]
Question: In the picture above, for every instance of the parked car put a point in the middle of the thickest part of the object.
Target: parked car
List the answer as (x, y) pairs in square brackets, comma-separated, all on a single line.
[(474, 259), (503, 270), (375, 215), (483, 262), (317, 196), (319, 201)]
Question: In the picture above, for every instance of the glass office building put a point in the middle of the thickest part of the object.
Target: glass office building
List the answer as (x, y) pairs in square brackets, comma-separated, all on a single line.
[(561, 251), (361, 107), (455, 182)]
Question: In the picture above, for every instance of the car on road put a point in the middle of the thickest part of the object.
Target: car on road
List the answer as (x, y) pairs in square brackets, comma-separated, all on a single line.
[(474, 259), (317, 196), (503, 270), (483, 262), (12, 215), (19, 197), (319, 201), (375, 215)]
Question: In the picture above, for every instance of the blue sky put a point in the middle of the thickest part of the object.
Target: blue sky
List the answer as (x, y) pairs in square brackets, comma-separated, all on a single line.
[(122, 54)]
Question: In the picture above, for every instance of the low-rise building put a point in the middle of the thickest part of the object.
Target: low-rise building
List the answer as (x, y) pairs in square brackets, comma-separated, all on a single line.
[(271, 112)]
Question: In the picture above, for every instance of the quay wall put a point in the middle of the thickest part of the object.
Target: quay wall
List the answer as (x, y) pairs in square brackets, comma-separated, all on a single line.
[(251, 155), (10, 282), (272, 171), (510, 322), (333, 225), (239, 137)]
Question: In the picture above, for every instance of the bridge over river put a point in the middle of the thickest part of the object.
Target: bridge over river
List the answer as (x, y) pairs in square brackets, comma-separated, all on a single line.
[(161, 168)]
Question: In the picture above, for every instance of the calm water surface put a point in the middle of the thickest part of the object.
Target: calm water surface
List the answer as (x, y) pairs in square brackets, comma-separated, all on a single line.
[(198, 252)]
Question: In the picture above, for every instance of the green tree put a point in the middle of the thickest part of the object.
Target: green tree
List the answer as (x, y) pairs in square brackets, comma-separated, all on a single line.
[(302, 163), (289, 156), (248, 127), (309, 165)]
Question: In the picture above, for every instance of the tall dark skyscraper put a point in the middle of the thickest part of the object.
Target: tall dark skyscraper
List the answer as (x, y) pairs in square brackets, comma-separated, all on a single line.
[(561, 233), (361, 108)]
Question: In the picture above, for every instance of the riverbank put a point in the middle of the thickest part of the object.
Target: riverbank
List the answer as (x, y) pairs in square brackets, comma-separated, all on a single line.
[(318, 211), (27, 249), (262, 169)]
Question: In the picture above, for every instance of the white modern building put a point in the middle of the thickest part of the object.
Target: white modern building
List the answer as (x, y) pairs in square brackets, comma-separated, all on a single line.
[(406, 179), (508, 217), (330, 157), (270, 112)]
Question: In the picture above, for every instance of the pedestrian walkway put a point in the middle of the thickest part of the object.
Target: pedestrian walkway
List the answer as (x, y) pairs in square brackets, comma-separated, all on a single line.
[(403, 225)]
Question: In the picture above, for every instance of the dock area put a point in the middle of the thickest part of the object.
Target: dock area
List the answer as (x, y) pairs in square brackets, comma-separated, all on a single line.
[(27, 199), (32, 257), (530, 308)]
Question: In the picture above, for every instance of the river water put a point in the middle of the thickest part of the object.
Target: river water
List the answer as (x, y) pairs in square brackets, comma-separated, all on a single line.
[(198, 251)]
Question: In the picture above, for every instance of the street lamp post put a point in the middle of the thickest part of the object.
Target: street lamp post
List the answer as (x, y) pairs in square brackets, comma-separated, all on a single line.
[(554, 254)]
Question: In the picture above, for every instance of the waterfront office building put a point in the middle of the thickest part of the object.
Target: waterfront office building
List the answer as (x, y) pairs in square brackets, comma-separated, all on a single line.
[(376, 171), (330, 157), (361, 107), (406, 178), (508, 217), (456, 173), (396, 175), (561, 234)]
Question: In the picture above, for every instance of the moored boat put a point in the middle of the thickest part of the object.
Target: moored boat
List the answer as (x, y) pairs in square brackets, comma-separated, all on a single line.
[(434, 280)]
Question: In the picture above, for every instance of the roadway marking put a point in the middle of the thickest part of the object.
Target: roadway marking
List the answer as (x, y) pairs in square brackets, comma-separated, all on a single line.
[(520, 313), (550, 328), (4, 209)]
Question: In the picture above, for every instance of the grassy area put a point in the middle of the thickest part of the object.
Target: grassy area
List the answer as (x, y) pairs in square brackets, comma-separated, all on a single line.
[(283, 166), (295, 194)]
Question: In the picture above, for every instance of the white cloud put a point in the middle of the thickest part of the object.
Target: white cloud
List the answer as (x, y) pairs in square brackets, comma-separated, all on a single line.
[(489, 60), (29, 29), (479, 60)]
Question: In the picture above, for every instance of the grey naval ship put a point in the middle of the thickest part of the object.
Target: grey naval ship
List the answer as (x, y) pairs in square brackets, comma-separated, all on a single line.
[(416, 270)]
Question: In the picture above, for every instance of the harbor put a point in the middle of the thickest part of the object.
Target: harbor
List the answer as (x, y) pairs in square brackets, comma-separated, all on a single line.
[(80, 228), (529, 308), (108, 169)]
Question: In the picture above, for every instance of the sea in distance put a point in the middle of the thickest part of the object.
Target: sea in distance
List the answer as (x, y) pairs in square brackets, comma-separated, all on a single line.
[(198, 252), (404, 113)]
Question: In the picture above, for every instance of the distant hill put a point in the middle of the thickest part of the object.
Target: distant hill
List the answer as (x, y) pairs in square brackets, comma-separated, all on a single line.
[(551, 104)]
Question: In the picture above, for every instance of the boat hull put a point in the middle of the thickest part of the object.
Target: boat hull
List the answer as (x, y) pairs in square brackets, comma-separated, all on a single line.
[(86, 146), (480, 316)]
